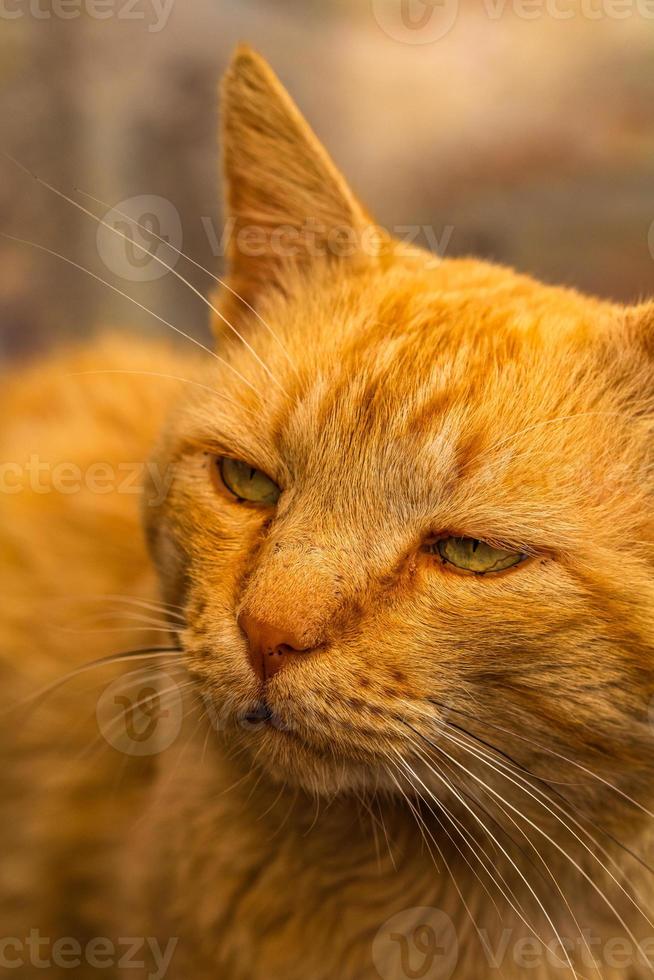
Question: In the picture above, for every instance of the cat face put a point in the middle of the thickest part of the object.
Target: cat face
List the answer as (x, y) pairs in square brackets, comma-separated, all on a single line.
[(413, 501)]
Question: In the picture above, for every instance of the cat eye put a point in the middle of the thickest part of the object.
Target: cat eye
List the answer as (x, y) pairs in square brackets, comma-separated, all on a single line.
[(473, 555), (248, 483)]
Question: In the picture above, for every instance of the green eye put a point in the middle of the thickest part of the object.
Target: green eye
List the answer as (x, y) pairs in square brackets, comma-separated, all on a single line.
[(248, 483), (473, 555)]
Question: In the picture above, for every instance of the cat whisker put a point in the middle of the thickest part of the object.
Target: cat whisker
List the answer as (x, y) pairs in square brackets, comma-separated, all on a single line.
[(223, 396), (537, 852), (197, 704), (257, 781), (168, 620), (118, 629), (147, 653), (419, 821), (145, 374), (287, 817), (156, 258), (147, 617), (147, 670), (517, 907), (238, 782), (154, 605), (385, 833), (473, 797), (540, 831), (418, 817), (633, 897), (316, 816), (373, 824), (274, 803), (110, 616), (168, 695), (198, 265), (130, 299), (470, 796), (143, 614), (519, 769), (496, 768), (522, 876), (416, 782), (552, 752)]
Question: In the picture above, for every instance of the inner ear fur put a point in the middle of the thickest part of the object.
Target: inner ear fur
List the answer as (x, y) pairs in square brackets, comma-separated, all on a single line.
[(286, 204)]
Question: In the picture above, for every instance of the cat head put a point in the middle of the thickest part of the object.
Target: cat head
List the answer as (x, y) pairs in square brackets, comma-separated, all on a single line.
[(412, 498)]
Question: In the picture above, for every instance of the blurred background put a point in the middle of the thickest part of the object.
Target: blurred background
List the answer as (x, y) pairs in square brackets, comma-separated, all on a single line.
[(518, 130)]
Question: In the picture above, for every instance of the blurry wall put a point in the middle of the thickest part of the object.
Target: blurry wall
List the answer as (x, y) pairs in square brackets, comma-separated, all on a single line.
[(519, 130)]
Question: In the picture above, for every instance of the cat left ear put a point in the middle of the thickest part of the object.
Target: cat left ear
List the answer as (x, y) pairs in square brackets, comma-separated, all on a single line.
[(287, 205)]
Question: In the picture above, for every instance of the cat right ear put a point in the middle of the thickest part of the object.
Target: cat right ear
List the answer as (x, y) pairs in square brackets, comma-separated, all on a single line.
[(287, 205)]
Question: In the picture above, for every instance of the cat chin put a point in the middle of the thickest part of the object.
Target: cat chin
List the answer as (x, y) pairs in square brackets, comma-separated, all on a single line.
[(286, 757), (287, 761)]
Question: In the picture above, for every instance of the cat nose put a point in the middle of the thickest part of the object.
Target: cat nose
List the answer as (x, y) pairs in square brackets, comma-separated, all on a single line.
[(270, 647)]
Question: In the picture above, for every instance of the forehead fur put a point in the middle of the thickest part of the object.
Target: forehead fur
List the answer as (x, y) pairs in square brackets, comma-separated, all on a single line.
[(391, 394), (462, 395)]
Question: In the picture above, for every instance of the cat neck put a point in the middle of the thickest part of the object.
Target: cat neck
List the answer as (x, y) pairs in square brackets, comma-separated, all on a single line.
[(215, 803)]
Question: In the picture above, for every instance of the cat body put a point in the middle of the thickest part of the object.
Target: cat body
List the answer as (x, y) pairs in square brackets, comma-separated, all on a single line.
[(384, 763)]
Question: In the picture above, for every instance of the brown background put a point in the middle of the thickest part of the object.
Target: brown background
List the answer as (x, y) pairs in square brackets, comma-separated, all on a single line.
[(530, 135)]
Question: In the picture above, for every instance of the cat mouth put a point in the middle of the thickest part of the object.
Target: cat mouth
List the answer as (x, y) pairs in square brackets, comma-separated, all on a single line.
[(315, 757), (263, 717), (261, 713)]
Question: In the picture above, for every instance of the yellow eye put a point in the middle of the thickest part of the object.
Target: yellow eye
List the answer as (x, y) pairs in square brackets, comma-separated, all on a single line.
[(476, 556), (248, 483)]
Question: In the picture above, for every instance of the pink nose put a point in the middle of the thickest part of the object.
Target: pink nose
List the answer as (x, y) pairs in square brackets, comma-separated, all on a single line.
[(270, 647)]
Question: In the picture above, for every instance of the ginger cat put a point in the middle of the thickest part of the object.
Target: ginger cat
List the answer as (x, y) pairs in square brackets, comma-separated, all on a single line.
[(401, 649)]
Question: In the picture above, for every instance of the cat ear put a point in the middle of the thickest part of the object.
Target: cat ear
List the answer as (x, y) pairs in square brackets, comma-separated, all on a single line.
[(287, 205)]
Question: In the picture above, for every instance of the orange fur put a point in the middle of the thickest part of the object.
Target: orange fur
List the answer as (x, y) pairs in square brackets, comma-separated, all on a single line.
[(393, 400)]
